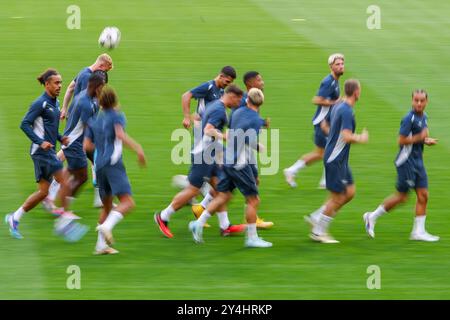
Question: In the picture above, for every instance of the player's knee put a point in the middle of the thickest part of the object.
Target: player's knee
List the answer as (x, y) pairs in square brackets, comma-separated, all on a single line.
[(422, 197), (253, 201), (403, 197)]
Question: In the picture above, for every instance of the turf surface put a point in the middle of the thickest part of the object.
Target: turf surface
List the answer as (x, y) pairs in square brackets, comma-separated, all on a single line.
[(169, 47)]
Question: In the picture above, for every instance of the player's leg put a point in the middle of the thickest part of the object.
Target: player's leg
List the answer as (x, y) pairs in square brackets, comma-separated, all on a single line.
[(419, 232), (13, 219), (370, 218), (49, 201), (320, 140), (252, 240), (196, 227), (114, 181), (260, 223)]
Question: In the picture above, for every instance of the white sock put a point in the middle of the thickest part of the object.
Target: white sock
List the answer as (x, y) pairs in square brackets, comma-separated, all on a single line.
[(297, 166), (251, 231), (167, 213), (206, 200), (378, 212), (53, 190), (114, 218), (101, 243), (204, 217), (223, 220), (18, 214), (316, 214), (323, 224), (419, 224)]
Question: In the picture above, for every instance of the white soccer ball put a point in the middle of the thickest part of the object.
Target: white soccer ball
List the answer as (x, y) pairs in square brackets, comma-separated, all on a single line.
[(180, 181), (109, 38)]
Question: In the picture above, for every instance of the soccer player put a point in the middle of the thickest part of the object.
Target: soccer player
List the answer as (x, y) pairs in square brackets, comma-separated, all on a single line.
[(206, 93), (102, 65), (85, 107), (339, 177), (326, 97), (252, 79), (244, 127), (411, 173), (204, 161), (41, 124), (106, 134)]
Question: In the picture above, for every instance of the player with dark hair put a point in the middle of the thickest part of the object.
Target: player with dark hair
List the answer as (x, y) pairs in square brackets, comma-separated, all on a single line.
[(411, 173), (41, 124), (106, 134)]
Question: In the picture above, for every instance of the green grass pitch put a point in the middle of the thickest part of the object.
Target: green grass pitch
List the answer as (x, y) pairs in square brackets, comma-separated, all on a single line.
[(169, 47)]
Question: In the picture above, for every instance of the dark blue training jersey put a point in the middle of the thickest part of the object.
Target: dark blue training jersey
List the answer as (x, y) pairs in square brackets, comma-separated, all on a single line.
[(84, 107), (205, 94), (41, 124), (81, 80), (101, 131), (244, 127), (329, 89), (411, 124), (342, 117)]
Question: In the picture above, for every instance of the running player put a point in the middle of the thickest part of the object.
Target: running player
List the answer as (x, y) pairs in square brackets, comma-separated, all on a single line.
[(339, 177), (106, 134), (411, 173), (41, 124), (244, 127), (326, 97)]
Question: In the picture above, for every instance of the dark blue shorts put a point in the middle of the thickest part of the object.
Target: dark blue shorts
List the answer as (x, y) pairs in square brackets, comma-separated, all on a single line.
[(244, 180), (112, 180), (76, 158), (200, 173), (44, 168), (411, 177), (320, 139), (338, 176)]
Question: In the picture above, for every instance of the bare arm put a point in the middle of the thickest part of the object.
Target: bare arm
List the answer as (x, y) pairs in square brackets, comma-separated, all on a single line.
[(67, 98), (186, 105), (129, 142), (349, 137), (88, 145)]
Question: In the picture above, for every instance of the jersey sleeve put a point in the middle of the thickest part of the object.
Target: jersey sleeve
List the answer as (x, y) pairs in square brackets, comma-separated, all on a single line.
[(201, 91), (325, 89), (347, 120), (406, 126), (217, 118), (27, 123), (120, 119)]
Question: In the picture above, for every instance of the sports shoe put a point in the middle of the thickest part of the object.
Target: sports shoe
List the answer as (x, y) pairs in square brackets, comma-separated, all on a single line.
[(97, 200), (106, 233), (324, 238), (105, 251), (197, 231), (290, 178), (162, 225), (370, 224), (13, 226), (69, 229), (261, 224), (233, 228), (257, 243), (197, 210), (48, 205), (423, 236)]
